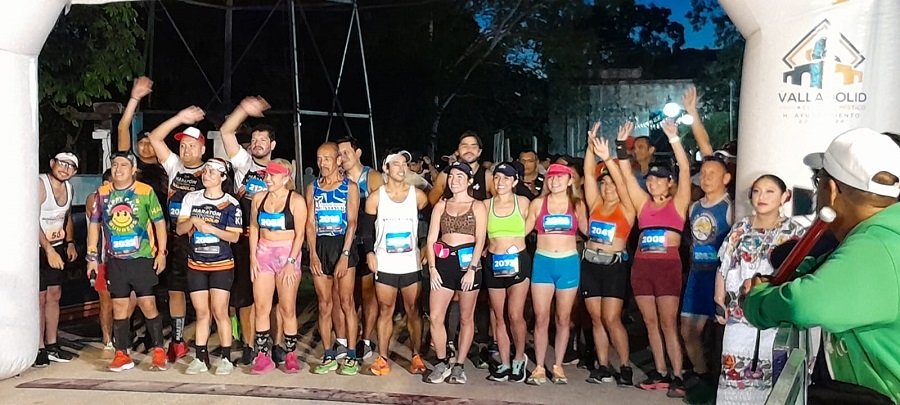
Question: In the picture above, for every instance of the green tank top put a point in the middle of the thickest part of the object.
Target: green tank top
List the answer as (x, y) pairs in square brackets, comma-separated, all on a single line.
[(510, 226)]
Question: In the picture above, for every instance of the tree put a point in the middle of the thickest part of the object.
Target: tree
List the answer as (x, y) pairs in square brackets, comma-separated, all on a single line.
[(91, 52)]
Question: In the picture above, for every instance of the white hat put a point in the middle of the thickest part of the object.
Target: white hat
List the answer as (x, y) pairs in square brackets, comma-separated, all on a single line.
[(67, 157), (390, 158), (856, 156)]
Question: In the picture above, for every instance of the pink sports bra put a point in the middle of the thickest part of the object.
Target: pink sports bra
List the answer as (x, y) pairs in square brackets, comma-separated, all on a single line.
[(665, 217), (556, 224)]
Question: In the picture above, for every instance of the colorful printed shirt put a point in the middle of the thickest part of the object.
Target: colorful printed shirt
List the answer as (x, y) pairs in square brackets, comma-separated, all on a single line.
[(127, 216), (182, 180), (208, 252)]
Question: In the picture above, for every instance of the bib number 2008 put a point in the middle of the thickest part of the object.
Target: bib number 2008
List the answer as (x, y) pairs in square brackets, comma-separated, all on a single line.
[(653, 240)]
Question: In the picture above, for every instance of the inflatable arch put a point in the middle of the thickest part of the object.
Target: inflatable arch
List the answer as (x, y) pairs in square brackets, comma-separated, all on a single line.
[(24, 26), (812, 69)]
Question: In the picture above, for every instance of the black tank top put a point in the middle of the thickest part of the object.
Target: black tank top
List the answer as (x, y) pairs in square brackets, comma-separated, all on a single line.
[(276, 221), (479, 185)]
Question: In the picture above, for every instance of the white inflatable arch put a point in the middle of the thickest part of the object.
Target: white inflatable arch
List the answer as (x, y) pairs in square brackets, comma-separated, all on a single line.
[(24, 26), (812, 69)]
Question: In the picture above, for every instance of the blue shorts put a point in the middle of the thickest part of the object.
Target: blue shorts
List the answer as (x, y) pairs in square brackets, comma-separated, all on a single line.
[(699, 294), (563, 272)]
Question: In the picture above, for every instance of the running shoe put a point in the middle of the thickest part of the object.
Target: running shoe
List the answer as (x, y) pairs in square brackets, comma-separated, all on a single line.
[(121, 362), (517, 374), (625, 377), (340, 351), (109, 351), (440, 373), (457, 375), (159, 360), (500, 373), (381, 367), (262, 364), (602, 374), (676, 388), (655, 381), (350, 366), (42, 360), (559, 376), (451, 350), (417, 366), (176, 351), (196, 367), (366, 349), (482, 360), (247, 355), (328, 365), (278, 355), (57, 355), (537, 377), (291, 366), (224, 367)]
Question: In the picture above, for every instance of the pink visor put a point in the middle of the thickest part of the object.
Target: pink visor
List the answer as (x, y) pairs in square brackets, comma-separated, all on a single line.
[(275, 168)]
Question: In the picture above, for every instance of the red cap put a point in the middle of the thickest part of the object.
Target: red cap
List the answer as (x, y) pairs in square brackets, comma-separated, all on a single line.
[(275, 168), (557, 169), (191, 132), (629, 143)]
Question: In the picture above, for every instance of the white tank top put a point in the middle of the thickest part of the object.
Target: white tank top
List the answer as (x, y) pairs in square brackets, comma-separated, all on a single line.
[(396, 234), (53, 216)]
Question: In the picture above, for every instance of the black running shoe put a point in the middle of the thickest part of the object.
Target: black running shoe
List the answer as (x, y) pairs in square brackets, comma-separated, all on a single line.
[(655, 381), (247, 355), (57, 355), (42, 359), (625, 377), (278, 354), (602, 374), (500, 373), (676, 388)]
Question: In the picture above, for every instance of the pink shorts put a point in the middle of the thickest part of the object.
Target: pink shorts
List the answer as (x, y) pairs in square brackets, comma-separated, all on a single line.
[(272, 255)]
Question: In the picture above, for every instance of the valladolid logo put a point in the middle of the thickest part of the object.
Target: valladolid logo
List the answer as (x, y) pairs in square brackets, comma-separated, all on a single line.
[(826, 62)]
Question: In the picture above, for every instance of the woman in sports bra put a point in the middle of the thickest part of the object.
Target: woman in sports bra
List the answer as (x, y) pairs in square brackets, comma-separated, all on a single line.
[(604, 274), (454, 265), (277, 220), (656, 272), (557, 216), (507, 270)]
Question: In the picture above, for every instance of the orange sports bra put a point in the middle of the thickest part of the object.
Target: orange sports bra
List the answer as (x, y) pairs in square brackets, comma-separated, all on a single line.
[(604, 229)]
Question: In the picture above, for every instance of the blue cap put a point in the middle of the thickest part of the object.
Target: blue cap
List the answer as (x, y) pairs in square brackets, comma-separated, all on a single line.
[(507, 169), (660, 171)]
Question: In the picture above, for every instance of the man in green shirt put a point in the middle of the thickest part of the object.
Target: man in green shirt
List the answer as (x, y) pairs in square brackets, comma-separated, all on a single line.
[(854, 295)]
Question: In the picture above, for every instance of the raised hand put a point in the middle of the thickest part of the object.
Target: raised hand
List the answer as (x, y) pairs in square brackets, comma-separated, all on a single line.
[(255, 106), (625, 131), (670, 128), (142, 87), (690, 99), (601, 148), (191, 115)]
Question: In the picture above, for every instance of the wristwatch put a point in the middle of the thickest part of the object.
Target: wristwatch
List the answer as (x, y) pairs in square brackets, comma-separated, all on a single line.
[(291, 260), (346, 253)]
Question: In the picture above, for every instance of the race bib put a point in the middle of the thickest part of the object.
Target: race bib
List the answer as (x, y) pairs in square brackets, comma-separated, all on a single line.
[(174, 210), (554, 223), (124, 244), (271, 221), (205, 243), (465, 257), (505, 265), (398, 242), (653, 240), (55, 235), (603, 232), (705, 254), (330, 221), (253, 186)]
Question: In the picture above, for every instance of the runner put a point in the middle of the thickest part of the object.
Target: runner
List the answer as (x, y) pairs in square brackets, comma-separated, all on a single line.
[(455, 267), (507, 271), (656, 272), (368, 181), (330, 231), (124, 211), (533, 180), (604, 273), (184, 172), (57, 246), (394, 256), (556, 217), (249, 179), (276, 242), (212, 218), (149, 169)]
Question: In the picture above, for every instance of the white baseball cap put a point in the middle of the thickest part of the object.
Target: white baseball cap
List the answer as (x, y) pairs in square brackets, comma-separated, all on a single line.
[(67, 157), (856, 156), (390, 158)]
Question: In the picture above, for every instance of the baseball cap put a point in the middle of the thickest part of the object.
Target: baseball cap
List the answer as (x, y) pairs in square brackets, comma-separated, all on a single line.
[(856, 156), (463, 167), (390, 158), (123, 154), (68, 158), (276, 168), (660, 171), (191, 132), (217, 164), (507, 169), (557, 169)]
